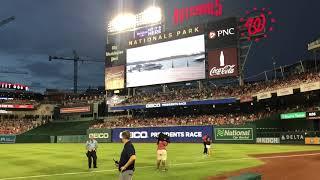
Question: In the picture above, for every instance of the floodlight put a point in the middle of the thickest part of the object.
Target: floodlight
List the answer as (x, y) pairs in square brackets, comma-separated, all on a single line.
[(122, 22), (151, 15)]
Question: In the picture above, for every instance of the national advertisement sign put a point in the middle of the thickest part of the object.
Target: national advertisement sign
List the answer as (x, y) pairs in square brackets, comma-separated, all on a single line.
[(234, 134), (187, 134), (7, 139), (292, 138), (268, 140), (101, 135)]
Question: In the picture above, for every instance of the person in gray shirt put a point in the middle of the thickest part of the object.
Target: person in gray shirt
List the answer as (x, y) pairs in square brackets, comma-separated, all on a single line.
[(91, 147)]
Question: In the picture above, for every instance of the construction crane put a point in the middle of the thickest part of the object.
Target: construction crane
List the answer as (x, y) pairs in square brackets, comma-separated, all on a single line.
[(6, 21), (75, 60)]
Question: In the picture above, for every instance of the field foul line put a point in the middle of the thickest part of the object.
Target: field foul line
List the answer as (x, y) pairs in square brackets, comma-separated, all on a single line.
[(179, 164)]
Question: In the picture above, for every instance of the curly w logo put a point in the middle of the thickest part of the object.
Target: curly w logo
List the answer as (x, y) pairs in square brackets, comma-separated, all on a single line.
[(220, 132)]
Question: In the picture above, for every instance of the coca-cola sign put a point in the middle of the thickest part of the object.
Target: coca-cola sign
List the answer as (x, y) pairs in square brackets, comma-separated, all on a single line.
[(228, 69), (223, 63)]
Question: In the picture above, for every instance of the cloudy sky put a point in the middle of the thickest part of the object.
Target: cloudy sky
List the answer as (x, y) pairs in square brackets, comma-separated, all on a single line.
[(47, 27)]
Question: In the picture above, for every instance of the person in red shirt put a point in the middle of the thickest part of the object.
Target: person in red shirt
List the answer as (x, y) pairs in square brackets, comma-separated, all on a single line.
[(162, 154), (204, 140), (208, 146)]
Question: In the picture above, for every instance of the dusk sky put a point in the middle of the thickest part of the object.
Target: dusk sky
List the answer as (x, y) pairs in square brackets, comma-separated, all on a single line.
[(47, 27)]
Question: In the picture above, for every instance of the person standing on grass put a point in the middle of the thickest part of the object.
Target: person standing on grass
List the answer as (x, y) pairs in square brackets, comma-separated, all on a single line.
[(208, 146), (204, 141), (91, 147), (162, 154), (128, 157)]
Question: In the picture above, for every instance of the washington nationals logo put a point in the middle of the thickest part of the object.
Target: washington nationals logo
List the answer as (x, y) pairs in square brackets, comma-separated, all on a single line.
[(257, 24)]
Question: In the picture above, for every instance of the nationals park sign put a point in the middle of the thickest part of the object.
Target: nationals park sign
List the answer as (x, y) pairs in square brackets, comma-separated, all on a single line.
[(234, 134)]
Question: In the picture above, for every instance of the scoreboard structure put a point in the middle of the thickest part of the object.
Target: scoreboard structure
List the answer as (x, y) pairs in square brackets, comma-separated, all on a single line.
[(154, 55)]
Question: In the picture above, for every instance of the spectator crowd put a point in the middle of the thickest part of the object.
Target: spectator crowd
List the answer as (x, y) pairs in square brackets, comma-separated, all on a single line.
[(16, 126), (215, 119), (221, 92)]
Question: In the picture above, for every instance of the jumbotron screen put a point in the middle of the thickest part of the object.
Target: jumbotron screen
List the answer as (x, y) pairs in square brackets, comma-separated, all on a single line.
[(166, 62)]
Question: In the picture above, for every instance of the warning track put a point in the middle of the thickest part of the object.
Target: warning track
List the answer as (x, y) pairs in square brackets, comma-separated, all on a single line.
[(283, 166)]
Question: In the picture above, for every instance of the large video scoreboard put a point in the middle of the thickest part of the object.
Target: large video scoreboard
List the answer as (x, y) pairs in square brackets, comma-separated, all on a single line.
[(153, 56)]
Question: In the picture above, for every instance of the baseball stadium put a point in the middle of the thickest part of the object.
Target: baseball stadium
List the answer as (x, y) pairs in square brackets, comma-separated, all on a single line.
[(184, 96)]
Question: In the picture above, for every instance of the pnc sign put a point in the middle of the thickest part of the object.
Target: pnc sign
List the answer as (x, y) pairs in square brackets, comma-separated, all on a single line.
[(221, 33)]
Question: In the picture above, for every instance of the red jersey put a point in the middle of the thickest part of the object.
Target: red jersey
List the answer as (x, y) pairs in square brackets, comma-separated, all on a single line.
[(204, 138), (162, 145)]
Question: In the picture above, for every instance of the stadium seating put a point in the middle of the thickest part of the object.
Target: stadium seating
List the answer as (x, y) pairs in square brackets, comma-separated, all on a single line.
[(61, 128)]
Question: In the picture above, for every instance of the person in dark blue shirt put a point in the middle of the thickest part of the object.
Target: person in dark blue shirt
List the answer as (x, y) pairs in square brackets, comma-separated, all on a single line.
[(128, 157)]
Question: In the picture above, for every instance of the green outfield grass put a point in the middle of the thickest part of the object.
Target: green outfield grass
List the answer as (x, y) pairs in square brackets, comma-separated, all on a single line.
[(185, 160)]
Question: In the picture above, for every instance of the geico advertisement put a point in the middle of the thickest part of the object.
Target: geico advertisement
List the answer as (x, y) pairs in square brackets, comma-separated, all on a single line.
[(176, 133), (101, 135)]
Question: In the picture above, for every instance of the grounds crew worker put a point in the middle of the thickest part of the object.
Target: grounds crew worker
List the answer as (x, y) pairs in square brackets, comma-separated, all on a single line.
[(128, 157), (91, 147)]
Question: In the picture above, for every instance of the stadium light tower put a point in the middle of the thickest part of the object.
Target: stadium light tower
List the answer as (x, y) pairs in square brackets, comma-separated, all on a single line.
[(130, 22)]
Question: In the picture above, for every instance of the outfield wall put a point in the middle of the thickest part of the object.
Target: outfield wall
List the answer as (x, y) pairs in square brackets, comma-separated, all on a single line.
[(178, 134)]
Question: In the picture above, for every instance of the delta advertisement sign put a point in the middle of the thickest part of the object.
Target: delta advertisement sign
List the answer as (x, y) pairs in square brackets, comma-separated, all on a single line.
[(185, 134)]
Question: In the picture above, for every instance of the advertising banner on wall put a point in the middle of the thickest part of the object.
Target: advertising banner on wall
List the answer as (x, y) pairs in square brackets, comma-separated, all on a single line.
[(233, 134), (223, 33), (268, 140), (309, 87), (295, 115), (244, 99), (17, 106), (101, 135), (176, 133), (265, 95), (114, 78), (7, 139), (292, 138), (313, 115), (223, 63), (284, 91), (312, 140), (84, 109)]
